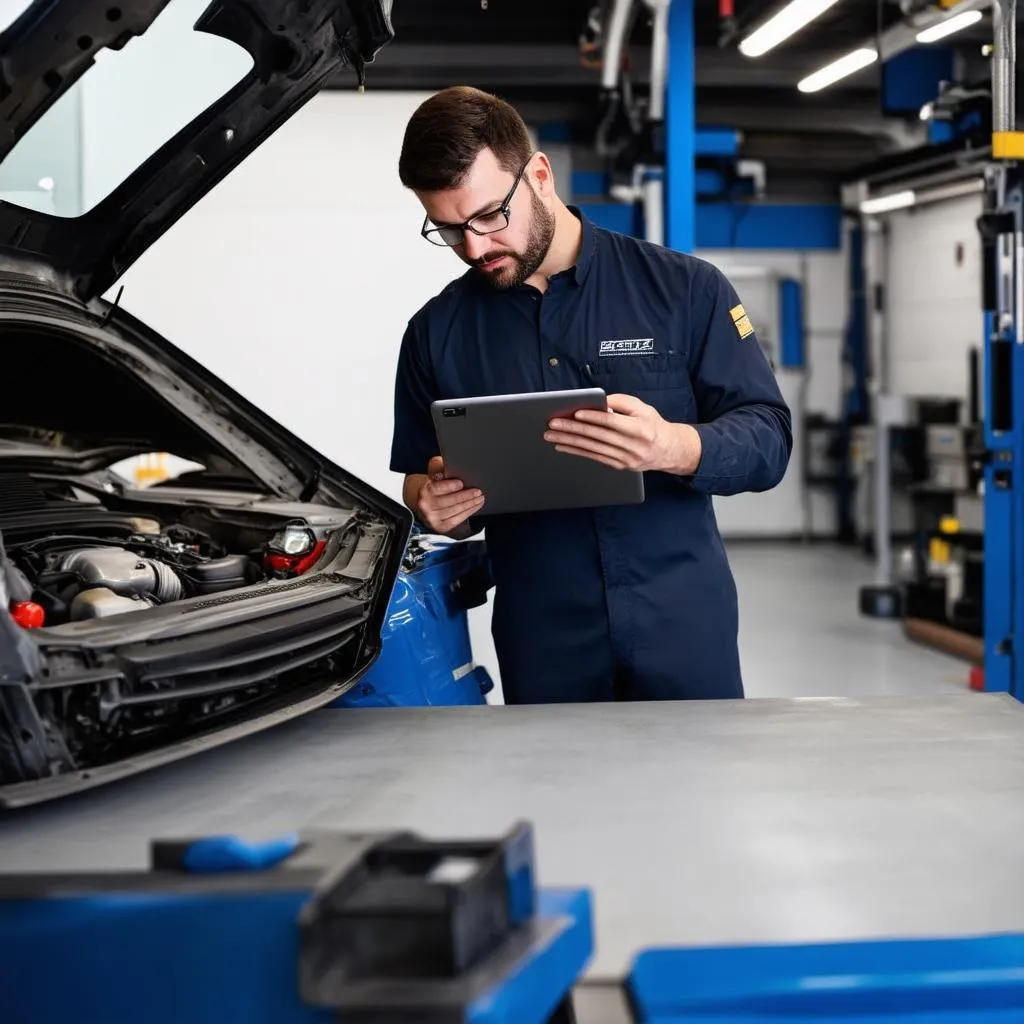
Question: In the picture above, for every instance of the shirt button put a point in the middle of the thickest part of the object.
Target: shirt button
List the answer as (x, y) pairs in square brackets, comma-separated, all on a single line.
[(552, 361)]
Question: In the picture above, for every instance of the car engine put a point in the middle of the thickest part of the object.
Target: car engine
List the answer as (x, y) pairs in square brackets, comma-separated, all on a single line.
[(101, 562), (92, 582)]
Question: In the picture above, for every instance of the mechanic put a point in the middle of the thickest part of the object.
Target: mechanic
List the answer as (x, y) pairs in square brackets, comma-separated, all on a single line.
[(627, 602)]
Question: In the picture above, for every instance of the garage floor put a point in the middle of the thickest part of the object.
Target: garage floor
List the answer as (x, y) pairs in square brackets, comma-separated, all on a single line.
[(801, 634)]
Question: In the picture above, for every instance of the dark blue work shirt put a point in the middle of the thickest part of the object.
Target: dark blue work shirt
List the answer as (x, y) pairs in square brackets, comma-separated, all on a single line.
[(630, 601)]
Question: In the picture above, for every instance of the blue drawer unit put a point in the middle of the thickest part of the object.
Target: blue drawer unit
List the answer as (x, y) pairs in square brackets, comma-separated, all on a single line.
[(426, 656)]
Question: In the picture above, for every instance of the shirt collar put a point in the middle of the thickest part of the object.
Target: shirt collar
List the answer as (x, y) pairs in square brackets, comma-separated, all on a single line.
[(586, 256)]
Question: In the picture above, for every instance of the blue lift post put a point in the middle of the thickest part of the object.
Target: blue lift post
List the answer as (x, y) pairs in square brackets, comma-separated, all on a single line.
[(1002, 229), (680, 131)]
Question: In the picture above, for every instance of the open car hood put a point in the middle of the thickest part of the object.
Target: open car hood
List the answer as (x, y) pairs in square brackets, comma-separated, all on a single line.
[(295, 45)]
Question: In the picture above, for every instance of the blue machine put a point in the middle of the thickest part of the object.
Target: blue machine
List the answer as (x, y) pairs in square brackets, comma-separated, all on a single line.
[(308, 930), (426, 656), (365, 929)]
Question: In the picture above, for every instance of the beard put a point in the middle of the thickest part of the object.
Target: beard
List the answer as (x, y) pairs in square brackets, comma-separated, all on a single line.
[(522, 265)]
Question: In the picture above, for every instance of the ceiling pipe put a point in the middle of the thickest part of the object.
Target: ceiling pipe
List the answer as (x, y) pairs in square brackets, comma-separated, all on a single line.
[(615, 43), (1004, 57)]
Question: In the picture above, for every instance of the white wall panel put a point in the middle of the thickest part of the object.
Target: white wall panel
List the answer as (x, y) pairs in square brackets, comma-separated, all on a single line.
[(934, 297), (790, 509)]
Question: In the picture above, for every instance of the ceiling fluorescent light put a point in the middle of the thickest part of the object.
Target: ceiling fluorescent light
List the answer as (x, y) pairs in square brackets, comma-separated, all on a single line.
[(796, 15), (884, 204), (956, 23), (838, 69)]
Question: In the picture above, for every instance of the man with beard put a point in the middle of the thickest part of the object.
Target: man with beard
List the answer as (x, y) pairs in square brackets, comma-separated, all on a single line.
[(626, 602)]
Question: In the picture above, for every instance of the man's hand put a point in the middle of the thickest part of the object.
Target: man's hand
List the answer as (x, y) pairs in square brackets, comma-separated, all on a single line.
[(631, 435), (443, 505)]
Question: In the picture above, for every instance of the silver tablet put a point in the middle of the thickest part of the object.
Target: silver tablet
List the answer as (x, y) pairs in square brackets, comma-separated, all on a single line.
[(496, 443)]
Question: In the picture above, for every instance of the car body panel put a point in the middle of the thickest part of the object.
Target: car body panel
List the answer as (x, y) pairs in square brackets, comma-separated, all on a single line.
[(295, 46), (53, 273)]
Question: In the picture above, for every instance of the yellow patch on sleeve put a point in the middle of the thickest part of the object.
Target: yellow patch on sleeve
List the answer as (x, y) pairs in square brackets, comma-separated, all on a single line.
[(744, 327), (737, 313)]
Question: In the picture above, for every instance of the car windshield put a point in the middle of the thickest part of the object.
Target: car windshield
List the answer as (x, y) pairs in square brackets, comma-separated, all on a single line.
[(120, 112)]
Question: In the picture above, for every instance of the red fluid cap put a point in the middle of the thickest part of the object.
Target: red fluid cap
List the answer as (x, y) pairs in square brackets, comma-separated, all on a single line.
[(28, 614)]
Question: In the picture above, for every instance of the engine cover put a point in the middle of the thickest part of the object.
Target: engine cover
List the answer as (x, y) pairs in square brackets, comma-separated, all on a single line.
[(124, 573)]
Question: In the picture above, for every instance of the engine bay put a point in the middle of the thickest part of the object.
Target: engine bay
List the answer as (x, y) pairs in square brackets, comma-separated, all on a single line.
[(113, 562), (272, 599)]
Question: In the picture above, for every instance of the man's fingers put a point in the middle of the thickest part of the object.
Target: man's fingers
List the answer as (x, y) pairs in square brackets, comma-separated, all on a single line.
[(587, 421), (584, 435), (628, 405), (455, 515), (459, 501), (588, 446), (443, 488), (609, 460), (446, 503)]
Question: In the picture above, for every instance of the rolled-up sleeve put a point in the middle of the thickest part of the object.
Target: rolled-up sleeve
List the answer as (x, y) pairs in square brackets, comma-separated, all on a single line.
[(413, 442), (744, 423)]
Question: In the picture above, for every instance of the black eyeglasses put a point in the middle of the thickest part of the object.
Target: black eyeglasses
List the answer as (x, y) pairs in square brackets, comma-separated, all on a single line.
[(481, 224)]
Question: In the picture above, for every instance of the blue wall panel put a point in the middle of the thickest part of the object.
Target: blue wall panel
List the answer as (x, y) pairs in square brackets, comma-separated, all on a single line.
[(791, 304), (589, 183), (787, 226), (911, 79), (619, 217), (728, 226)]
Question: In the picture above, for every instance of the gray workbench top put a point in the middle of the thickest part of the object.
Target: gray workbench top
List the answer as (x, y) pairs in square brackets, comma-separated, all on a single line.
[(752, 821)]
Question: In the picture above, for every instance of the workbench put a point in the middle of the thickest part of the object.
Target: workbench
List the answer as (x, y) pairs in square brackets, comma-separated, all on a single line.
[(747, 822)]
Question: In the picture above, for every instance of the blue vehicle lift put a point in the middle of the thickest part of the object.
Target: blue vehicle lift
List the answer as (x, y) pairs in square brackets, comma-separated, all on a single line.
[(1002, 231)]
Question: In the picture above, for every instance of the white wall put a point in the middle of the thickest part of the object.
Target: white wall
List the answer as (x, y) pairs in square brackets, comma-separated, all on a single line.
[(790, 508), (934, 302)]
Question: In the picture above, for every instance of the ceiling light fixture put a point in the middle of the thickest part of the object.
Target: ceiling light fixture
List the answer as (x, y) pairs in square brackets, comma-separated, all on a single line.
[(885, 204), (797, 14), (853, 62), (908, 197), (948, 26)]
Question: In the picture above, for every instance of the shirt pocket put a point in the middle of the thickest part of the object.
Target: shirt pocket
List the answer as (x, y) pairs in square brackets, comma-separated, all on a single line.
[(662, 381)]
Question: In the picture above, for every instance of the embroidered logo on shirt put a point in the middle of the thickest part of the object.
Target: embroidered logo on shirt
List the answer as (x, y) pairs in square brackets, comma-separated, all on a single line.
[(627, 347), (744, 328)]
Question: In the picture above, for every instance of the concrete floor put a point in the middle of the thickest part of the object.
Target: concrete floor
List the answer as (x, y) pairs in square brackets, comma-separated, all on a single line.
[(801, 634)]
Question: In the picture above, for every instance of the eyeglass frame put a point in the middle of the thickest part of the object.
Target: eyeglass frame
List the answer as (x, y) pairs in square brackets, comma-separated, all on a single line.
[(505, 208)]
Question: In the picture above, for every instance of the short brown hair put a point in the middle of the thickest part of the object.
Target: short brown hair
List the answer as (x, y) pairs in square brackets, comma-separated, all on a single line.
[(448, 131)]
